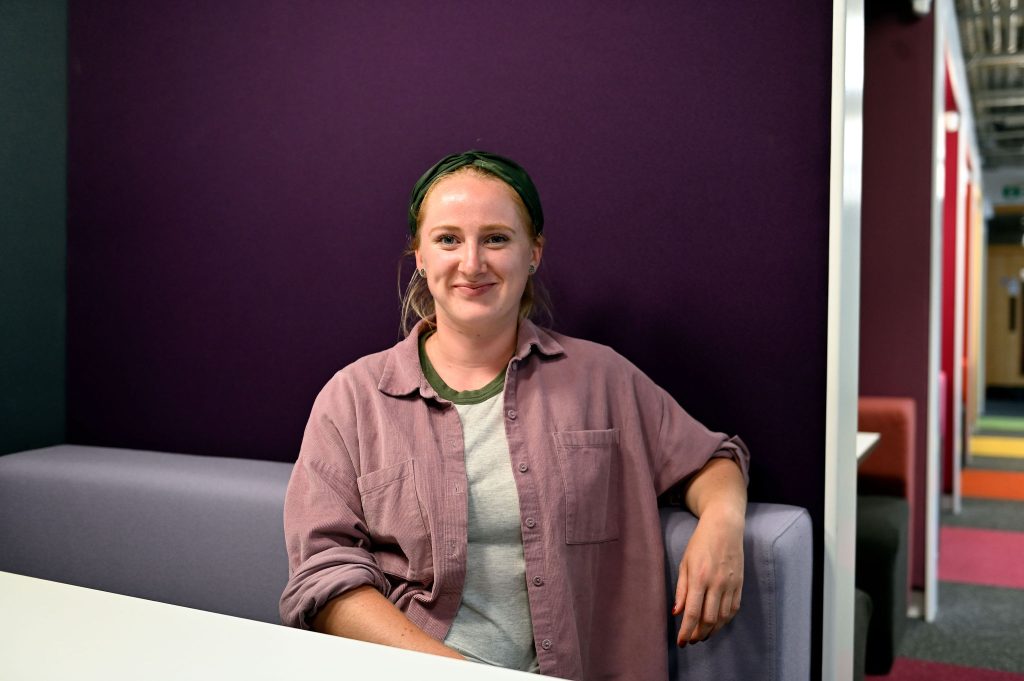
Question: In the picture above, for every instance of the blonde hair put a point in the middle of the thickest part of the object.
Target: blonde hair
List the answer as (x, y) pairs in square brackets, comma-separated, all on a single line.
[(417, 304)]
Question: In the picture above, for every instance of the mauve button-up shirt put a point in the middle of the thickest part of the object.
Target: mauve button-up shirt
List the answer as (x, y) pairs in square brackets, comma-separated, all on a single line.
[(378, 497)]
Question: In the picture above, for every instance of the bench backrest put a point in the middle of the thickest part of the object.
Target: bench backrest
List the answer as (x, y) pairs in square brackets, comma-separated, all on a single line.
[(206, 533), (202, 532)]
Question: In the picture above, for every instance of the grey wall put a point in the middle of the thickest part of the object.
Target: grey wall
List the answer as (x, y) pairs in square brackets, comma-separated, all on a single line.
[(33, 149)]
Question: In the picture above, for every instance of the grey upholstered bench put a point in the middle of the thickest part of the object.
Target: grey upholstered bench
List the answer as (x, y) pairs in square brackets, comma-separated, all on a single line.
[(202, 532), (770, 638), (205, 532)]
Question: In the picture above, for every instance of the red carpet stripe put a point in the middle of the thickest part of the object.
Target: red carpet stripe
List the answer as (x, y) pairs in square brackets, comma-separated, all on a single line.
[(986, 557), (906, 669)]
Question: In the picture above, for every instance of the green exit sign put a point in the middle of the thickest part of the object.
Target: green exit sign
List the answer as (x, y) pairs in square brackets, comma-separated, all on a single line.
[(1012, 191)]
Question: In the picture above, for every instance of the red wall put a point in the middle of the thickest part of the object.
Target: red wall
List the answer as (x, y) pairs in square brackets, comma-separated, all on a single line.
[(949, 213)]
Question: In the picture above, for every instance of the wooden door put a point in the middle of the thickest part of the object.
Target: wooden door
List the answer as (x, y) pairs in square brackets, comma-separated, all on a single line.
[(1004, 352)]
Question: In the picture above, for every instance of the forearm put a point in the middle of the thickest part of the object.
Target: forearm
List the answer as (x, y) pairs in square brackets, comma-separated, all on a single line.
[(718, 487), (710, 582), (364, 614)]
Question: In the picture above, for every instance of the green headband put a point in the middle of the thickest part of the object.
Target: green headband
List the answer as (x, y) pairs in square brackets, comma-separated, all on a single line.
[(505, 169)]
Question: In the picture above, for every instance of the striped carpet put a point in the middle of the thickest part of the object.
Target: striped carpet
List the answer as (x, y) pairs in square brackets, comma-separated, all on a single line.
[(998, 445), (988, 484), (906, 669), (1000, 424), (978, 634), (988, 557)]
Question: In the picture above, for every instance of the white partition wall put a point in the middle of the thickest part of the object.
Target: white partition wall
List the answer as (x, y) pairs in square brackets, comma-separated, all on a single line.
[(933, 478), (843, 339)]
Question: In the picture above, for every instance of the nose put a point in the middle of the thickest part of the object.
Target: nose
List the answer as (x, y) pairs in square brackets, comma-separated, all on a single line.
[(473, 262)]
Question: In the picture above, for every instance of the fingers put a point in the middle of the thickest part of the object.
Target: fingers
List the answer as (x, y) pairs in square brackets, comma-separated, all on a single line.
[(692, 609), (701, 617), (710, 580), (681, 583), (725, 613), (704, 613), (709, 619)]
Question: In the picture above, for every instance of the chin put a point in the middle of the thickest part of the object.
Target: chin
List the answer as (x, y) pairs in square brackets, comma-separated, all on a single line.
[(483, 318)]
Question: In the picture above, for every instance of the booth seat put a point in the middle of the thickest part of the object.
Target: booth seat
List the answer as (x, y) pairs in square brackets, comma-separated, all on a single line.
[(206, 533), (889, 469), (885, 536)]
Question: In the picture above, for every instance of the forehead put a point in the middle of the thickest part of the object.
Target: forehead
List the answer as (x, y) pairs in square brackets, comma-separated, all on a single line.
[(471, 194)]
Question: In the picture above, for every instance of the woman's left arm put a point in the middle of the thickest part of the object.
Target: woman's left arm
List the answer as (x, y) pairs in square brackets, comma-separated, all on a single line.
[(711, 572)]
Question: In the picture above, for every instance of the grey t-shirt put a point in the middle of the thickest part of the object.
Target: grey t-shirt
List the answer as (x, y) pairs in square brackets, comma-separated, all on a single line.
[(493, 622)]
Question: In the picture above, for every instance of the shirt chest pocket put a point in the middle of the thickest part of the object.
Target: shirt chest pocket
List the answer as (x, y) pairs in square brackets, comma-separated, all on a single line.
[(394, 518), (591, 471)]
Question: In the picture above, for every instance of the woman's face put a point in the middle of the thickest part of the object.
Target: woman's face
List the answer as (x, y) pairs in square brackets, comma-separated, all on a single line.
[(477, 250)]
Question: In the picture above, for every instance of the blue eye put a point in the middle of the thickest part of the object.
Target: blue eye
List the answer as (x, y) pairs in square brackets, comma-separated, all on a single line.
[(446, 240), (497, 239)]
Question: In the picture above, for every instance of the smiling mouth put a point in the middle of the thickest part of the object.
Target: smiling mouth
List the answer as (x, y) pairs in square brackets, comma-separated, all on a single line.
[(474, 289)]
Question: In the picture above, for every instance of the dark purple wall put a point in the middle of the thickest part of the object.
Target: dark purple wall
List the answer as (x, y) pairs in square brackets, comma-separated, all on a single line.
[(239, 174), (896, 226)]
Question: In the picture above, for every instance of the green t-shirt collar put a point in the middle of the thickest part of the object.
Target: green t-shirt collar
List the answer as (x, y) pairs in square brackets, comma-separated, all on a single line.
[(445, 391)]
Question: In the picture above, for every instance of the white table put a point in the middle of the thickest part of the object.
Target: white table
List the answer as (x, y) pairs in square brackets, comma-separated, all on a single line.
[(55, 631), (865, 443)]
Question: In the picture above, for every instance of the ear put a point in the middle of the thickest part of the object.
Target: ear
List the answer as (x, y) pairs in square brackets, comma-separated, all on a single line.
[(536, 251)]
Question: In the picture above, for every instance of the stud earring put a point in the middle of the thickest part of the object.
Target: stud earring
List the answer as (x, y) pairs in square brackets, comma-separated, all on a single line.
[(422, 272), (532, 269)]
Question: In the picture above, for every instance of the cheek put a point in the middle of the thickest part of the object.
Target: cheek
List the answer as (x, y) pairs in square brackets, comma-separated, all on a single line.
[(521, 262), (439, 266), (436, 261), (425, 258)]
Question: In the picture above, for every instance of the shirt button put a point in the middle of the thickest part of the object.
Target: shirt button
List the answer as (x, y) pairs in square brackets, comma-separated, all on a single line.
[(511, 413), (538, 581), (531, 523), (523, 468), (546, 644)]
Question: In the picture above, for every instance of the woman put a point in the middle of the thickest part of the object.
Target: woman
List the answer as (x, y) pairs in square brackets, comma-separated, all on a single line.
[(487, 489)]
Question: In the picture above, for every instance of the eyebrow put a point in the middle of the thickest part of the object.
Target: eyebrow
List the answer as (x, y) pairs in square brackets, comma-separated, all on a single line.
[(455, 228)]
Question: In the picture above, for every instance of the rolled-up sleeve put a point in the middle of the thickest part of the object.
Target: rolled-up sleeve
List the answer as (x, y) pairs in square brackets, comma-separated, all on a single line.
[(683, 444), (328, 544)]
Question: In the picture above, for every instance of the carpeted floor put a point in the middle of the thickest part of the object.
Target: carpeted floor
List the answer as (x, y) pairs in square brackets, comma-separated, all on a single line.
[(989, 514), (906, 669), (995, 463), (982, 556), (977, 626), (989, 484), (1000, 424), (1001, 446), (978, 634)]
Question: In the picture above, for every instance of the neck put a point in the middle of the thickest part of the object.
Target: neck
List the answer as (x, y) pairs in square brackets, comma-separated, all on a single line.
[(468, 360)]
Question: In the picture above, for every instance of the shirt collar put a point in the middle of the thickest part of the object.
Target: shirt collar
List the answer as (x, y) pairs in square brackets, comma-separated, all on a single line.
[(403, 375), (532, 337)]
